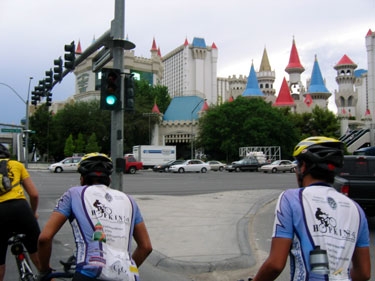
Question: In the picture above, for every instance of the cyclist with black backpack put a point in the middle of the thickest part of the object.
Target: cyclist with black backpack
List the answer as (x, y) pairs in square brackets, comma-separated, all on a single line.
[(17, 215)]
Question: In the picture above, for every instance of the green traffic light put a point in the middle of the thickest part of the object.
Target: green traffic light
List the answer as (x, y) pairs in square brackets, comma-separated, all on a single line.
[(111, 100)]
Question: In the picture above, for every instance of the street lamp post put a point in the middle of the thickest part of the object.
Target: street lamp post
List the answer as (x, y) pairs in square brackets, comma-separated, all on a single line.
[(26, 130), (149, 114), (192, 133), (27, 126)]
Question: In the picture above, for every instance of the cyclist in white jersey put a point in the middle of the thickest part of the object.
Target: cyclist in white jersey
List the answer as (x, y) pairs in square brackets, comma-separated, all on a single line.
[(324, 232), (103, 221)]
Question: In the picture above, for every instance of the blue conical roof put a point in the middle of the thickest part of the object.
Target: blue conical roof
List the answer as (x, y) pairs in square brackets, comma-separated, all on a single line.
[(252, 87), (317, 83)]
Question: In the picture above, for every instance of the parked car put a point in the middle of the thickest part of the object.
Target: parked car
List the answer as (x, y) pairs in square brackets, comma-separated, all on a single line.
[(132, 165), (246, 164), (279, 166), (369, 150), (216, 165), (193, 165), (165, 166), (69, 164)]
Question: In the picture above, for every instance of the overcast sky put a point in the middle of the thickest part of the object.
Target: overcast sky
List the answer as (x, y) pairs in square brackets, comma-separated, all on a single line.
[(33, 34)]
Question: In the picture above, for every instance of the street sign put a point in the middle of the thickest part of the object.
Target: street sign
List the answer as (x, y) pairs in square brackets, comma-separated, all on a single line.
[(10, 130)]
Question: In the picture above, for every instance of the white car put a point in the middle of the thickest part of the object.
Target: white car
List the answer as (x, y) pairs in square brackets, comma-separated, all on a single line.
[(193, 165), (279, 166), (216, 165), (69, 164)]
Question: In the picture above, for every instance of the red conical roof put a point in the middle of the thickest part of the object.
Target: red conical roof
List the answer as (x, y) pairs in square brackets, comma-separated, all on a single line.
[(284, 98), (154, 48), (159, 53), (186, 43), (345, 60), (214, 45), (79, 49), (369, 33), (294, 62), (155, 109), (205, 106)]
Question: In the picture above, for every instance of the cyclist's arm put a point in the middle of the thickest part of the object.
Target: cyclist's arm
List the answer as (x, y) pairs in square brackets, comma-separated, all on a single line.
[(275, 263), (53, 225), (144, 247), (361, 264), (32, 191)]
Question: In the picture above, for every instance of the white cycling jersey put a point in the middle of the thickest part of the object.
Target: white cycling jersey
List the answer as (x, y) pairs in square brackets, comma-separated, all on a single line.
[(315, 216), (103, 221)]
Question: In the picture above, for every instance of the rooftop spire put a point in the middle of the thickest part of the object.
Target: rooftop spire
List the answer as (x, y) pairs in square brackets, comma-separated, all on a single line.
[(317, 83), (79, 49), (252, 87), (284, 98), (294, 62), (154, 48), (265, 64), (345, 60)]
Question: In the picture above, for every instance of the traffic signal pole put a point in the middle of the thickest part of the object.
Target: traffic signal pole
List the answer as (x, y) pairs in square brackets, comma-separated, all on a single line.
[(117, 116)]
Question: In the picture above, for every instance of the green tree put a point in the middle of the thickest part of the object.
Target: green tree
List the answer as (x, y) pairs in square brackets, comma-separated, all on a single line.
[(41, 123), (320, 122), (80, 144), (69, 146), (245, 122), (81, 118), (92, 144)]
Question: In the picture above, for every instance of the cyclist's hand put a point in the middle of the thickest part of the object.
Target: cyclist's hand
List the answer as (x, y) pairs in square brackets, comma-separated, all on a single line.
[(43, 276)]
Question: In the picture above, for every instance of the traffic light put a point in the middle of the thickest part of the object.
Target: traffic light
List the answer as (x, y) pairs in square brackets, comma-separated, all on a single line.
[(110, 90), (48, 80), (41, 88), (70, 56), (129, 92), (34, 98), (58, 69), (48, 98)]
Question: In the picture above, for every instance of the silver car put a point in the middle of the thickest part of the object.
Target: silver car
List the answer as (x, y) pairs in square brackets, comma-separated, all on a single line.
[(279, 166), (194, 165)]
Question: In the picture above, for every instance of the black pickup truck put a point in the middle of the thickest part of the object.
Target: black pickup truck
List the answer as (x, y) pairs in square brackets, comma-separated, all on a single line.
[(356, 179)]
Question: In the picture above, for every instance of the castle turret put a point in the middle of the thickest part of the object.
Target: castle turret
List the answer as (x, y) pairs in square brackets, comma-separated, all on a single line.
[(295, 69), (346, 97), (266, 77)]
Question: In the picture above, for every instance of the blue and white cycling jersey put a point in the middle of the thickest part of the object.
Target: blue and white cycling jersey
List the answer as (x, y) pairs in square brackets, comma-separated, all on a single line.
[(103, 221), (318, 215)]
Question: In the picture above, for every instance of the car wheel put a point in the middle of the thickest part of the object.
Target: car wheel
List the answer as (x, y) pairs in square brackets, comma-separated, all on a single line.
[(274, 170), (293, 170), (181, 170), (166, 169), (237, 169), (132, 170), (204, 170), (58, 170), (221, 169)]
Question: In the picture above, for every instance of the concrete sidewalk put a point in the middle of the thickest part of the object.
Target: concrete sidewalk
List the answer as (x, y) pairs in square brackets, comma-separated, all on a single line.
[(202, 233)]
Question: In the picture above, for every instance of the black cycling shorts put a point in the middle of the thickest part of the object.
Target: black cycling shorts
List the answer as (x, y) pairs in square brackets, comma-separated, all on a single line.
[(16, 216)]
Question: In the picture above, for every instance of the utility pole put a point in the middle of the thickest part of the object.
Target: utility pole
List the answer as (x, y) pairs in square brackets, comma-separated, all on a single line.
[(117, 116)]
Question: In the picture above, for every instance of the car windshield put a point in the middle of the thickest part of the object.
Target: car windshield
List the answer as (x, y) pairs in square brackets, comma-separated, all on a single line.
[(277, 162)]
